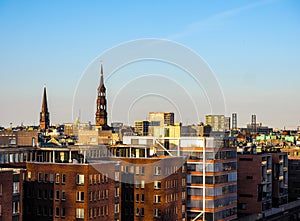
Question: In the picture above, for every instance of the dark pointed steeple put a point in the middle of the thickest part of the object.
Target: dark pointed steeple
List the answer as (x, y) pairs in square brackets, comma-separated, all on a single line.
[(101, 113), (44, 114)]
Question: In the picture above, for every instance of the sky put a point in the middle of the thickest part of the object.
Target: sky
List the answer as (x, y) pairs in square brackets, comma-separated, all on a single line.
[(252, 48)]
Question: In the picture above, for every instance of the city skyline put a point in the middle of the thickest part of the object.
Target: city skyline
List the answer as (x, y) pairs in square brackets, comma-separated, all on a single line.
[(252, 49)]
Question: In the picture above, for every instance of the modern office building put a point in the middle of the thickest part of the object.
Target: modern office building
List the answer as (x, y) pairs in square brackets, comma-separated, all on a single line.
[(234, 121), (211, 173), (161, 118), (141, 127), (217, 122)]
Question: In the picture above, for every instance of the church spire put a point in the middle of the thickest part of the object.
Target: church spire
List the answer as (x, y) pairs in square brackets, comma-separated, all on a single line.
[(44, 114), (101, 77), (101, 113)]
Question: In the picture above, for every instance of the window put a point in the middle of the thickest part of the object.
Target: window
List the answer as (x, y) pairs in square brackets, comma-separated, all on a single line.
[(15, 207), (91, 196), (80, 213), (63, 179), (142, 184), (57, 178), (80, 196), (142, 170), (117, 191), (57, 195), (142, 198), (157, 170), (0, 210), (16, 187), (116, 209), (40, 177), (80, 179), (106, 178), (29, 175), (57, 211), (51, 194), (157, 199), (106, 193), (157, 185), (137, 198), (45, 177), (137, 212), (137, 170), (63, 212), (0, 189), (157, 212), (51, 177), (91, 179), (63, 195), (137, 184), (142, 211)]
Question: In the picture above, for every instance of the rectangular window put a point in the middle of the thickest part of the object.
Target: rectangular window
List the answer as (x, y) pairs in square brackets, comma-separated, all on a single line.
[(15, 207), (117, 192), (80, 213), (57, 195), (80, 179), (80, 196), (0, 210), (63, 179), (45, 177), (63, 195), (51, 177), (91, 179), (0, 189), (63, 212), (142, 170), (142, 212), (29, 175), (91, 196), (157, 170), (57, 178), (137, 170), (137, 211), (157, 199), (116, 209), (157, 212), (106, 193), (137, 198), (40, 177), (157, 185), (142, 198), (57, 211), (16, 188), (142, 184), (95, 178), (137, 184)]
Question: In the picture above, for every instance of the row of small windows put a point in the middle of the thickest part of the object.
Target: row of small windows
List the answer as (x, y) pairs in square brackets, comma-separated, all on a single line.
[(61, 178), (61, 212), (157, 170)]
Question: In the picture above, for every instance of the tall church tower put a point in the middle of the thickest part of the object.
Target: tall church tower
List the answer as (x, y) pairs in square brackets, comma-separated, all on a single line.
[(44, 114), (101, 113)]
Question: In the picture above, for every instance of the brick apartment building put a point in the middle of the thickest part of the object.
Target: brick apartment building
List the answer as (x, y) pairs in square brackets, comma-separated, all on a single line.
[(67, 191), (11, 194), (262, 181)]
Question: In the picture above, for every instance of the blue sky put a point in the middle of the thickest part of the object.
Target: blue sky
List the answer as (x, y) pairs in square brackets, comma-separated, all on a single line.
[(253, 48)]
